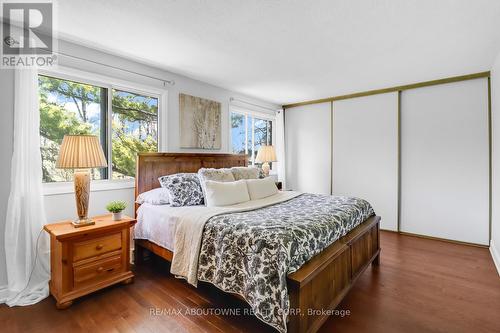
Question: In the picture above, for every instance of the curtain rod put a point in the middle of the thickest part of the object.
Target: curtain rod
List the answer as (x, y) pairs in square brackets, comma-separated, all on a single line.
[(165, 82), (233, 99)]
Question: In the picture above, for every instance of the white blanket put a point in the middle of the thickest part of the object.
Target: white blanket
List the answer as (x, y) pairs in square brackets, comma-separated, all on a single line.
[(189, 231), (156, 223)]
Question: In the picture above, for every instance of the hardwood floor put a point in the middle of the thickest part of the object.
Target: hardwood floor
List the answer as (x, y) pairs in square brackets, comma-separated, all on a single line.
[(421, 285)]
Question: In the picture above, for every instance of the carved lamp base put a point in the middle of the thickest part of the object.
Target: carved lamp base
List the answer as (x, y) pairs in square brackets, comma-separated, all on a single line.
[(82, 223), (266, 168), (82, 194)]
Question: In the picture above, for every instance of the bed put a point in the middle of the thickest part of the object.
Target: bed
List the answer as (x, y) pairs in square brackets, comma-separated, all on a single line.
[(320, 280)]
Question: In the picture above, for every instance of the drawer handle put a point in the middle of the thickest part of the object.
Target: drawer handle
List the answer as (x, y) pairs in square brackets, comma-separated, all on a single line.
[(100, 269), (99, 247)]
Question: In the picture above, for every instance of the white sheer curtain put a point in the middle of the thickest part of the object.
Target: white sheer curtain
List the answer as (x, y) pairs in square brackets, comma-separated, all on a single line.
[(280, 146), (26, 245)]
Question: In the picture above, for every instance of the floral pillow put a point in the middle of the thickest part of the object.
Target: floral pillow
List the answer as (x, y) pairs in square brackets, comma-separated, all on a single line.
[(218, 175), (184, 189), (247, 173)]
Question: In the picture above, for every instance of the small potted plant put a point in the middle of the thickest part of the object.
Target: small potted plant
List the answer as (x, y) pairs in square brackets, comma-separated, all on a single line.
[(116, 207)]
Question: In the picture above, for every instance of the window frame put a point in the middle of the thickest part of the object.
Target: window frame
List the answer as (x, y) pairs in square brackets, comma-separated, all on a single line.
[(109, 83), (253, 114)]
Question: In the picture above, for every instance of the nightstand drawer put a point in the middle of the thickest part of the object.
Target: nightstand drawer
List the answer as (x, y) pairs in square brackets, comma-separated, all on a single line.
[(97, 246), (97, 271)]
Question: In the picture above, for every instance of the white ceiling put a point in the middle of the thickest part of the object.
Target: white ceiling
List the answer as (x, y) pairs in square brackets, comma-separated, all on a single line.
[(286, 51)]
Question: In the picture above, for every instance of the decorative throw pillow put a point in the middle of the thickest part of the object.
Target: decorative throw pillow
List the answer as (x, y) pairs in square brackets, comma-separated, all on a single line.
[(218, 175), (226, 193), (245, 172), (261, 188), (157, 196), (184, 189)]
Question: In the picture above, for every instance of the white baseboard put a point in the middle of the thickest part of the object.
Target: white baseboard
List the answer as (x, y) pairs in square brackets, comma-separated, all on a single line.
[(495, 254)]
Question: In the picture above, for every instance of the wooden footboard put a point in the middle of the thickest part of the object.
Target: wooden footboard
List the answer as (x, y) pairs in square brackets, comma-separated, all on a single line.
[(322, 283)]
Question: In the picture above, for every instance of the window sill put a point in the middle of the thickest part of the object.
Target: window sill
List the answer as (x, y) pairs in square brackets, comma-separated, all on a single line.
[(95, 186)]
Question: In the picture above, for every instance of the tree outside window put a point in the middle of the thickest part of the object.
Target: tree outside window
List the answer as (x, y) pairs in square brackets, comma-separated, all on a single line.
[(134, 128), (69, 107)]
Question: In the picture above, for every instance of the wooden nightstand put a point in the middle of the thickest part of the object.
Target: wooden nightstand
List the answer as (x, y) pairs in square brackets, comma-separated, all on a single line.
[(86, 259)]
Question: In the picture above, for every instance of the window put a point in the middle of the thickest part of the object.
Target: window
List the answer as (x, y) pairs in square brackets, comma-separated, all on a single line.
[(238, 133), (249, 132), (68, 107), (126, 123), (134, 128)]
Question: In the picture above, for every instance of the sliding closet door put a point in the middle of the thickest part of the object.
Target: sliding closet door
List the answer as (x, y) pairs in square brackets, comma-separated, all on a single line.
[(308, 148), (365, 154), (444, 161)]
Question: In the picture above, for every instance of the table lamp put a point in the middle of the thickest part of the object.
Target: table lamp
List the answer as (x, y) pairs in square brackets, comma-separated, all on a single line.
[(265, 155), (81, 153)]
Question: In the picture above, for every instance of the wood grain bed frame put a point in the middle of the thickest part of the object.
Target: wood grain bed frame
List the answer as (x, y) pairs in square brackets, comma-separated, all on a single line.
[(320, 284)]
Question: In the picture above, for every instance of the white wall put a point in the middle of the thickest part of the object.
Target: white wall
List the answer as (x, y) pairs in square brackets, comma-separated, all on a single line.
[(365, 153), (445, 161), (495, 110), (308, 148), (62, 206)]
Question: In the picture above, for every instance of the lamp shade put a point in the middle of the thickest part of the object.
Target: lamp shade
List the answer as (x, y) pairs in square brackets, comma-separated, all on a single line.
[(266, 154), (81, 152)]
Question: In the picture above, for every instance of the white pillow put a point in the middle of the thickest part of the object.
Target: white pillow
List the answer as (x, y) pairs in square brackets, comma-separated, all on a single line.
[(225, 193), (157, 196), (218, 175), (261, 188)]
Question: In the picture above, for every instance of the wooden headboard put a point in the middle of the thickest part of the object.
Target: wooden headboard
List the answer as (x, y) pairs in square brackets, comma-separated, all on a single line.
[(150, 166)]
